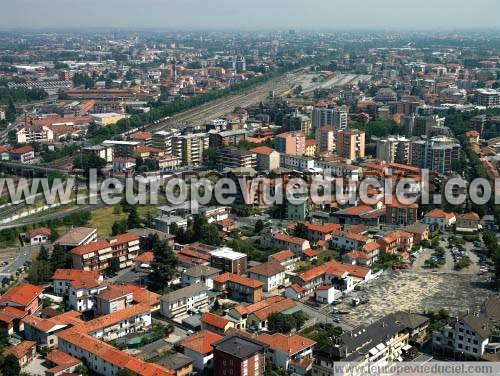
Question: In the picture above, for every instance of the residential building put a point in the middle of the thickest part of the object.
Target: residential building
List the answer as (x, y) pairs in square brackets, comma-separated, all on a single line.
[(468, 223), (238, 354), (348, 241), (34, 133), (351, 144), (226, 138), (325, 139), (38, 236), (292, 353), (238, 287), (271, 274), (190, 148), (311, 148), (163, 140), (267, 159), (292, 143), (24, 352), (200, 274), (488, 97), (96, 255), (62, 279), (394, 149), (296, 162), (420, 232), (326, 294), (122, 149), (399, 213), (101, 151), (335, 117), (286, 258), (216, 323), (179, 302), (181, 364), (233, 157), (102, 358), (23, 154), (284, 241), (26, 298), (438, 219), (199, 347), (229, 261), (77, 236)]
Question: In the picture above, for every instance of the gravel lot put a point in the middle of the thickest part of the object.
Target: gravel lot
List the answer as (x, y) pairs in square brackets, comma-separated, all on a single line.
[(417, 291)]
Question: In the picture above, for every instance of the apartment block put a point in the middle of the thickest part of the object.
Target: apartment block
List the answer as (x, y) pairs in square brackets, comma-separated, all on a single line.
[(351, 144), (292, 143)]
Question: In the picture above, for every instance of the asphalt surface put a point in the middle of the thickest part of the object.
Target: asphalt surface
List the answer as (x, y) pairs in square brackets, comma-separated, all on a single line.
[(24, 254)]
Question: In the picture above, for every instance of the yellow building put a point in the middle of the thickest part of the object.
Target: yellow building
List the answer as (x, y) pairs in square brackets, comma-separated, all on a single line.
[(311, 148), (107, 119)]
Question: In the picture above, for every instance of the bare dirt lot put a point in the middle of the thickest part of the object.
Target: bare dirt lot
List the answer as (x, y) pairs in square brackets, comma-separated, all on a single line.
[(417, 291)]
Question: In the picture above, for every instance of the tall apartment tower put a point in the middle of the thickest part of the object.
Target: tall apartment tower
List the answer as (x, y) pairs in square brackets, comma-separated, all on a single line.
[(394, 149), (351, 143), (190, 148), (335, 117)]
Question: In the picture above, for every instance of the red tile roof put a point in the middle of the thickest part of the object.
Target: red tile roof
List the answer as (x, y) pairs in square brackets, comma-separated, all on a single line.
[(22, 294), (238, 279), (22, 150), (289, 239), (288, 344), (214, 320), (74, 274), (201, 342), (283, 255)]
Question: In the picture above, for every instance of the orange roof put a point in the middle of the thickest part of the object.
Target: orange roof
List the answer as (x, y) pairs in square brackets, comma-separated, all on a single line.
[(297, 288), (90, 247), (13, 312), (267, 269), (59, 357), (115, 317), (470, 216), (357, 255), (339, 268), (40, 231), (310, 252), (397, 204), (289, 239), (262, 150), (283, 255), (201, 342), (438, 213), (22, 295), (22, 150), (356, 210), (290, 344), (312, 273), (241, 309), (19, 350), (145, 257), (74, 274), (113, 293), (325, 229), (400, 166), (238, 279), (370, 247), (141, 136), (85, 282), (279, 306), (311, 143), (214, 320)]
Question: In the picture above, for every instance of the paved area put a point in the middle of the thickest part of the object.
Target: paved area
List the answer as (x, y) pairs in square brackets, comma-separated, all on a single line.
[(36, 367), (417, 292)]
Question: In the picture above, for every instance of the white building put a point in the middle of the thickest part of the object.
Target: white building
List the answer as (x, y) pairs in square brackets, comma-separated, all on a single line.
[(335, 117), (200, 274), (181, 301), (270, 273)]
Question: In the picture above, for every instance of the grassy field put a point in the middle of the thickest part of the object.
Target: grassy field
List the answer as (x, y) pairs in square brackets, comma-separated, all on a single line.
[(103, 218)]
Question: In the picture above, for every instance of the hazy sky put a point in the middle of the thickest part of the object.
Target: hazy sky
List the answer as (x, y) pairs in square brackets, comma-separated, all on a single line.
[(234, 14)]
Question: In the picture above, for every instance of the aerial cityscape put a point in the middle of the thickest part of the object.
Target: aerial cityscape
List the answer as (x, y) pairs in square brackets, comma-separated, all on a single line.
[(288, 198)]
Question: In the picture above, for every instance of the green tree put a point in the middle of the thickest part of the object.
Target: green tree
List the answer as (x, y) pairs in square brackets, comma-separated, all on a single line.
[(164, 264), (211, 235), (10, 366), (300, 230), (43, 254), (259, 226), (60, 258), (173, 228), (40, 272), (113, 266), (10, 112), (133, 221), (119, 227)]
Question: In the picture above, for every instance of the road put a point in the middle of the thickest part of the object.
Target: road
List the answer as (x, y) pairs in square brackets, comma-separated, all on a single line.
[(23, 255)]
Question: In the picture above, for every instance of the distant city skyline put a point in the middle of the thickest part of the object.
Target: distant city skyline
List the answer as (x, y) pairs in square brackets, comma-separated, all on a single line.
[(264, 14)]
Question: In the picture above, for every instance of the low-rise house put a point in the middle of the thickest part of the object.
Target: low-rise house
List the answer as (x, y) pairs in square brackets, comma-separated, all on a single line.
[(132, 319), (286, 258), (76, 237), (26, 298), (271, 274), (104, 359), (396, 242), (62, 278), (38, 236), (255, 315), (316, 233), (267, 159), (295, 292), (284, 241), (181, 364), (179, 302), (292, 353), (24, 352), (201, 274), (348, 241), (420, 232), (356, 258), (238, 287), (438, 219), (198, 347), (82, 292), (216, 323), (468, 223), (113, 299), (326, 294), (24, 154), (44, 331), (60, 363)]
